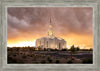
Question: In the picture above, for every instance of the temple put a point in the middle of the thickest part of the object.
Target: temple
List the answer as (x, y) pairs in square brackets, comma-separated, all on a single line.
[(50, 41)]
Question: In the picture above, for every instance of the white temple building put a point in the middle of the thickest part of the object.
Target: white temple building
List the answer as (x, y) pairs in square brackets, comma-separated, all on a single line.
[(51, 41)]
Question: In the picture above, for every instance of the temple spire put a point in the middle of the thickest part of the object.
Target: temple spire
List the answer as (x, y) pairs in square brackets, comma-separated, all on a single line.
[(50, 20), (50, 30)]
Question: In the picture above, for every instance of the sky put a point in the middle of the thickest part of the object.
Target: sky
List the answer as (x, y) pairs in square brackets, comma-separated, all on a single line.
[(26, 24)]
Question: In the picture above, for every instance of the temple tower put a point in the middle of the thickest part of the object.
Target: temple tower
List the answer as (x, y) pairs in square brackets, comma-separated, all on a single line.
[(50, 30)]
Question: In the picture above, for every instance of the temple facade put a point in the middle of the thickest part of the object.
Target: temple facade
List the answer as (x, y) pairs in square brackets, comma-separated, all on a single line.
[(51, 41)]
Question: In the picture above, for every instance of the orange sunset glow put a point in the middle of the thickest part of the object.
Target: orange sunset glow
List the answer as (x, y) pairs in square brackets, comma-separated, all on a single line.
[(26, 24)]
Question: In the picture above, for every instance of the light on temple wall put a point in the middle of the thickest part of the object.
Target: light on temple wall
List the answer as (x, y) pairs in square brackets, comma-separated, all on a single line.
[(56, 46), (52, 46)]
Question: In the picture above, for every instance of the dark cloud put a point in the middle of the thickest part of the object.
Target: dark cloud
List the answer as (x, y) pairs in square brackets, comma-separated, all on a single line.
[(35, 20)]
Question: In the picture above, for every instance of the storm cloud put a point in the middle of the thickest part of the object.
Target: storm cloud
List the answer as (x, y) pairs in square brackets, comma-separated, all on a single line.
[(25, 21)]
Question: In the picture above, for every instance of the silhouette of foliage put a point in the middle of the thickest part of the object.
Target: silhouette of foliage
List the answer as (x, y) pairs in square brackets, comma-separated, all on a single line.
[(88, 60), (43, 61), (57, 61), (77, 48), (64, 49), (69, 62)]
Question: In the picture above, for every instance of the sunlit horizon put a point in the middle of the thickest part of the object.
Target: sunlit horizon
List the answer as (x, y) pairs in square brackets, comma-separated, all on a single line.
[(22, 44), (32, 44)]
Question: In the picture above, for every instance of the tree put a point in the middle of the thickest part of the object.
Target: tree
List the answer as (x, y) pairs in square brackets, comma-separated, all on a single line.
[(64, 49), (90, 49), (39, 48), (45, 49), (56, 49), (72, 49), (49, 60), (77, 48), (10, 49)]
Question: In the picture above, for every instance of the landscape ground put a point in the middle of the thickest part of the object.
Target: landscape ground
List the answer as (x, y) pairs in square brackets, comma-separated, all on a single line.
[(28, 55)]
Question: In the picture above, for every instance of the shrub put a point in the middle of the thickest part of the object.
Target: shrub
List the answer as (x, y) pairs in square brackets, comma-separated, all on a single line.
[(43, 56), (14, 55), (72, 58), (48, 58), (23, 56), (11, 60), (50, 61), (56, 49), (43, 61), (57, 61), (35, 62), (64, 49), (20, 61), (77, 48), (87, 61), (69, 62), (45, 49), (31, 56)]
